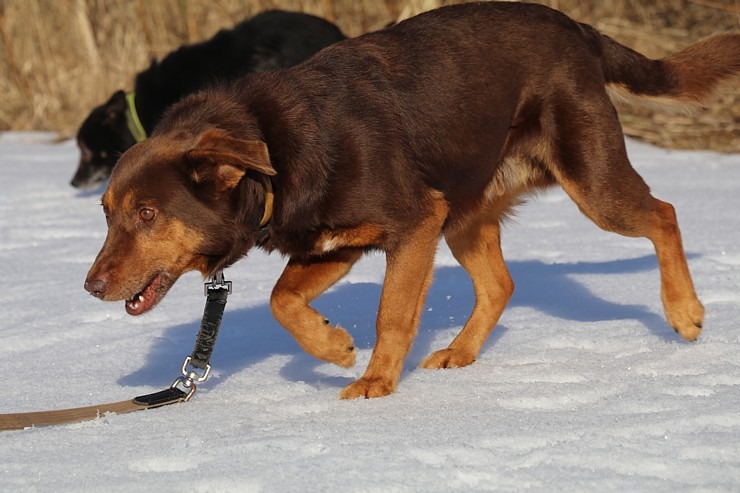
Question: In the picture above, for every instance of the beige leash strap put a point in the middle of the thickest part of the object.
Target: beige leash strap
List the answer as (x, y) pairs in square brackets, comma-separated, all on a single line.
[(195, 369), (20, 421)]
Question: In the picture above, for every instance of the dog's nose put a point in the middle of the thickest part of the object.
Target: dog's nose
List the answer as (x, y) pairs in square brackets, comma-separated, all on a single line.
[(96, 287)]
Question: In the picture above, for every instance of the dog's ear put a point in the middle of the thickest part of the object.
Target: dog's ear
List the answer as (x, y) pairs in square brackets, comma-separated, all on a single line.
[(115, 107), (223, 160)]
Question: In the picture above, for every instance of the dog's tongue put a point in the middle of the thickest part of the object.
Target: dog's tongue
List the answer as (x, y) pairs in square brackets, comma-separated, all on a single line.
[(144, 300)]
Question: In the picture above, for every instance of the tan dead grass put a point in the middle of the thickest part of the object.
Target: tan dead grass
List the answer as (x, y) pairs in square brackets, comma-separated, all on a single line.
[(59, 58)]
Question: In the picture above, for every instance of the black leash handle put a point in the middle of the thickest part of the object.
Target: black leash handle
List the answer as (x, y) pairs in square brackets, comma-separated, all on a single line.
[(212, 315), (216, 293)]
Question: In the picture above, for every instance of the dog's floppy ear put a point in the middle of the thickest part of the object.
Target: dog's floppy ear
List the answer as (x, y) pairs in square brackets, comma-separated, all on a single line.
[(223, 160)]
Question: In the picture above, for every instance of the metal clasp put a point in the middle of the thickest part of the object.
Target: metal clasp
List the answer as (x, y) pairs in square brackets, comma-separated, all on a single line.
[(190, 377), (217, 282), (188, 384)]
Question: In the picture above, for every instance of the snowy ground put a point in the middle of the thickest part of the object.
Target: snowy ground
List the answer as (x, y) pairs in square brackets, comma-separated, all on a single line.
[(582, 386)]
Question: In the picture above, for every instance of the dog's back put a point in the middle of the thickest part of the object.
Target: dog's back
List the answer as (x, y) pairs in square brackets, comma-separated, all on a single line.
[(464, 86)]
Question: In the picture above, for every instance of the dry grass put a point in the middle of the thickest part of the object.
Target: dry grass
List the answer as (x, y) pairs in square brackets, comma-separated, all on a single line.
[(59, 58)]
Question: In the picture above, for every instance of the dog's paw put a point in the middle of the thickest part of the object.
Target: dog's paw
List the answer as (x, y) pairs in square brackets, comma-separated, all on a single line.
[(448, 358), (368, 388), (686, 319), (341, 348), (330, 344)]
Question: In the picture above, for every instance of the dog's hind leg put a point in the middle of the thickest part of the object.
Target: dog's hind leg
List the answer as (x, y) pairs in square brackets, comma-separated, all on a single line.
[(590, 162), (300, 283), (407, 279), (477, 246)]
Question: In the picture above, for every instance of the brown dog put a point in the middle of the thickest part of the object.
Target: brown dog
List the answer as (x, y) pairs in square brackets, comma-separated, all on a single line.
[(436, 126)]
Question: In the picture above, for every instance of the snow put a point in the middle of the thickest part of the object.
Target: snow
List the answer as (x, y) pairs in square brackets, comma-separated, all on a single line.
[(581, 387)]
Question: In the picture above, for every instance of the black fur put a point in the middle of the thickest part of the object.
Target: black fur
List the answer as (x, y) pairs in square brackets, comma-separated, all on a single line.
[(270, 40)]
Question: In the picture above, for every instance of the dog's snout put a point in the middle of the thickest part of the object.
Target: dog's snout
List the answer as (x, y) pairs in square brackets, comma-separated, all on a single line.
[(96, 287)]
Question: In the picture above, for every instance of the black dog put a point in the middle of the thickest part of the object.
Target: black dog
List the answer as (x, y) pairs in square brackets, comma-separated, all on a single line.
[(270, 40)]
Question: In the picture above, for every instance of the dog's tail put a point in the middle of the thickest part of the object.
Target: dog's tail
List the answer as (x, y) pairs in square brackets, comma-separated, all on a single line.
[(689, 77)]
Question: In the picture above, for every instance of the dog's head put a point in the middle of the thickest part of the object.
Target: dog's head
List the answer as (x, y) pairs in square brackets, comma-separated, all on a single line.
[(102, 138), (174, 205)]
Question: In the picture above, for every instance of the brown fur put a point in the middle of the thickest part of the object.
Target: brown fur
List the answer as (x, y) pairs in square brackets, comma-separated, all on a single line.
[(436, 126)]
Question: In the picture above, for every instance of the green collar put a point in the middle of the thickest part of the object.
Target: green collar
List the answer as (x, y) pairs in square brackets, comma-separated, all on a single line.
[(132, 118)]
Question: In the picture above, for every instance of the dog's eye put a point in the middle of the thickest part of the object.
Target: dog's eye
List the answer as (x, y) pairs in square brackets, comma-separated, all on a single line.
[(146, 214)]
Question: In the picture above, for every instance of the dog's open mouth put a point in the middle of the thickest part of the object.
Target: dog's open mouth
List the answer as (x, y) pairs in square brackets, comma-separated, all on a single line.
[(145, 299)]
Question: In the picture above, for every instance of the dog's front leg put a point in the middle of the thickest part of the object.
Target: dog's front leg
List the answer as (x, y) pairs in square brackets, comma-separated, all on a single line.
[(300, 283), (408, 275)]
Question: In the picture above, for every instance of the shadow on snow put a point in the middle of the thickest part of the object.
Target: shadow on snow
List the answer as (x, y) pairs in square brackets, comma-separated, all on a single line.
[(250, 335)]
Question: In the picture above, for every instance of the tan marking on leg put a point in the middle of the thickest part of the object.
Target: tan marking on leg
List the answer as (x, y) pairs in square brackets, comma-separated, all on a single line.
[(625, 206), (682, 307), (683, 310), (478, 249), (408, 275), (300, 283)]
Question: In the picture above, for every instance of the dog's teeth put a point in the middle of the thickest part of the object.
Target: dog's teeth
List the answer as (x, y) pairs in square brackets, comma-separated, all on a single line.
[(141, 297)]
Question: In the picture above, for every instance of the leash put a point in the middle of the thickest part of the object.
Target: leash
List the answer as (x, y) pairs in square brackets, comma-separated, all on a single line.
[(195, 370)]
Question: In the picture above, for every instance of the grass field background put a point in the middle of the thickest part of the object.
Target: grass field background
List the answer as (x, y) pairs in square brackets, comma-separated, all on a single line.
[(60, 58)]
